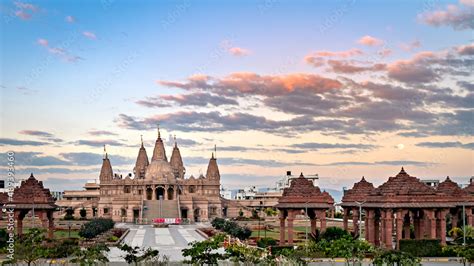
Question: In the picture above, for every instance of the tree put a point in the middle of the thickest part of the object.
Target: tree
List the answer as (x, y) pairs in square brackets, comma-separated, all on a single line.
[(83, 213), (135, 255), (270, 211), (29, 247), (242, 253), (345, 247), (92, 255), (395, 257), (458, 234), (205, 252)]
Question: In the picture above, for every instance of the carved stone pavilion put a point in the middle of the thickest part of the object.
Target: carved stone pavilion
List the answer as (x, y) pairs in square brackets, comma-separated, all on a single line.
[(31, 196), (402, 201), (302, 196)]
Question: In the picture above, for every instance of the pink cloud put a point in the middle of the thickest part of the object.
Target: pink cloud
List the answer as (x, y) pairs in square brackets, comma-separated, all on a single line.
[(22, 14), (466, 49), (70, 19), (458, 17), (43, 42), (237, 51), (410, 46), (370, 41), (344, 54), (27, 6), (89, 35), (384, 52)]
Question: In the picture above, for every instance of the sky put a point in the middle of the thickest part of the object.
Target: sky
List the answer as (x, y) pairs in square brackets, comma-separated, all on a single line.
[(343, 89)]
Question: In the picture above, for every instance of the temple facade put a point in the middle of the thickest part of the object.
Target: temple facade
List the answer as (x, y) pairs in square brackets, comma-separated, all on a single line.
[(159, 189)]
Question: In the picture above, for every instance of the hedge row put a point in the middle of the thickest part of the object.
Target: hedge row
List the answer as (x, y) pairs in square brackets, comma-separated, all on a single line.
[(232, 228), (421, 247), (96, 227)]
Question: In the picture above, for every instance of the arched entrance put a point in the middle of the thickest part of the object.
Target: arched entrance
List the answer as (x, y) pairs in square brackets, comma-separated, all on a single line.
[(149, 193), (184, 213), (160, 192), (197, 214), (170, 193)]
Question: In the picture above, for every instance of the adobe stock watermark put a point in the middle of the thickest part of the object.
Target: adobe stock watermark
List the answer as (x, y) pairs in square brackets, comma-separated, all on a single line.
[(8, 208)]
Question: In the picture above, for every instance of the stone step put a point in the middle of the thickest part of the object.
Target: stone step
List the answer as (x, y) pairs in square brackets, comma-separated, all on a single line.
[(169, 209)]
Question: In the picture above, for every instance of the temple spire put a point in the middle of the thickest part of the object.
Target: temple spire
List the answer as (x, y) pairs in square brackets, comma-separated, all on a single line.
[(159, 150), (105, 153), (175, 142), (141, 138), (141, 162), (176, 161), (106, 173), (213, 169)]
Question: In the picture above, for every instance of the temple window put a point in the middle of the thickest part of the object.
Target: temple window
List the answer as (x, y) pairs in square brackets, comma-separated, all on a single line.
[(192, 189), (126, 189), (106, 210)]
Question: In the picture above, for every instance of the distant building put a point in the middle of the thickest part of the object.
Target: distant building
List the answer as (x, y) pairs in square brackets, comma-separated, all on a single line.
[(431, 182), (226, 194), (57, 195), (246, 193)]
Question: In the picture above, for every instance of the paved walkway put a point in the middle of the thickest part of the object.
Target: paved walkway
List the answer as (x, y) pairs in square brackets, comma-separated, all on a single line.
[(169, 241)]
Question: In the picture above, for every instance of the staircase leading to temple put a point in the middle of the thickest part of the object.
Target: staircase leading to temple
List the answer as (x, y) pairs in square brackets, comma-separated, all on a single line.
[(169, 209)]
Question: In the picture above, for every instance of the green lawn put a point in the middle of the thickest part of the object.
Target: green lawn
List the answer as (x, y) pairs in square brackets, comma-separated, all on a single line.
[(275, 233)]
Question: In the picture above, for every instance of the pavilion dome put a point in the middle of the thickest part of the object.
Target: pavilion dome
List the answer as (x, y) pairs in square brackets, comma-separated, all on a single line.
[(358, 192), (404, 190), (456, 193), (303, 190)]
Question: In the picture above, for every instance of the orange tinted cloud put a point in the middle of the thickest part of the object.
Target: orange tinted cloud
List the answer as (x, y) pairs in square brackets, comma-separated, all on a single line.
[(370, 41)]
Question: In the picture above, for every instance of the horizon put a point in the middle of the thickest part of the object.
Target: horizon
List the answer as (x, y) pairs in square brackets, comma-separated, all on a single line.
[(342, 89)]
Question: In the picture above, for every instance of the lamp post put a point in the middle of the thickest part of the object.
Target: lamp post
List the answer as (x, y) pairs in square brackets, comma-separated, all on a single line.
[(360, 218), (306, 227)]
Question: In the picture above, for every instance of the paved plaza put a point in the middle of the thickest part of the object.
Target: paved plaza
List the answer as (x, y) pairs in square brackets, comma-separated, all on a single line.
[(169, 241)]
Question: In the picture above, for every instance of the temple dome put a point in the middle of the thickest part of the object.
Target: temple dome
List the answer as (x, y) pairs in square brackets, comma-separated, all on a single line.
[(159, 170)]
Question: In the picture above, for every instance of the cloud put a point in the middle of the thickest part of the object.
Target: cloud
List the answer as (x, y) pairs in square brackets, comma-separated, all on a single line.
[(449, 144), (99, 143), (89, 35), (414, 70), (344, 54), (25, 10), (410, 46), (182, 142), (70, 19), (314, 146), (341, 66), (41, 134), (23, 159), (58, 51), (466, 49), (192, 99), (237, 51), (102, 133), (370, 41), (26, 91), (242, 162), (248, 83), (88, 158), (392, 163), (15, 142), (456, 16)]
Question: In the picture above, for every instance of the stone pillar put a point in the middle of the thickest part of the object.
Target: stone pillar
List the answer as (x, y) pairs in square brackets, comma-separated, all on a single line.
[(290, 227), (370, 226), (165, 193), (322, 219), (355, 221), (313, 225), (345, 218), (50, 225), (376, 230), (406, 227), (432, 223), (153, 195), (382, 227), (19, 225), (469, 217), (282, 229), (399, 223), (388, 228), (442, 226), (454, 219)]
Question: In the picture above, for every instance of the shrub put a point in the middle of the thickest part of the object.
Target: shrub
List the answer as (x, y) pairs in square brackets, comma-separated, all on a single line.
[(62, 249), (3, 238), (395, 257), (333, 233), (266, 242), (95, 227), (421, 247), (231, 228), (112, 239)]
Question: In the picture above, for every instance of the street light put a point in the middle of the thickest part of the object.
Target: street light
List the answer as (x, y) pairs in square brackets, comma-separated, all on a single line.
[(360, 218), (306, 227)]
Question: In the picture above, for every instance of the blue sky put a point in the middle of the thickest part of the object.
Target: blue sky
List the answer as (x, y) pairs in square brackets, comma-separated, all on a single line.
[(382, 76)]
